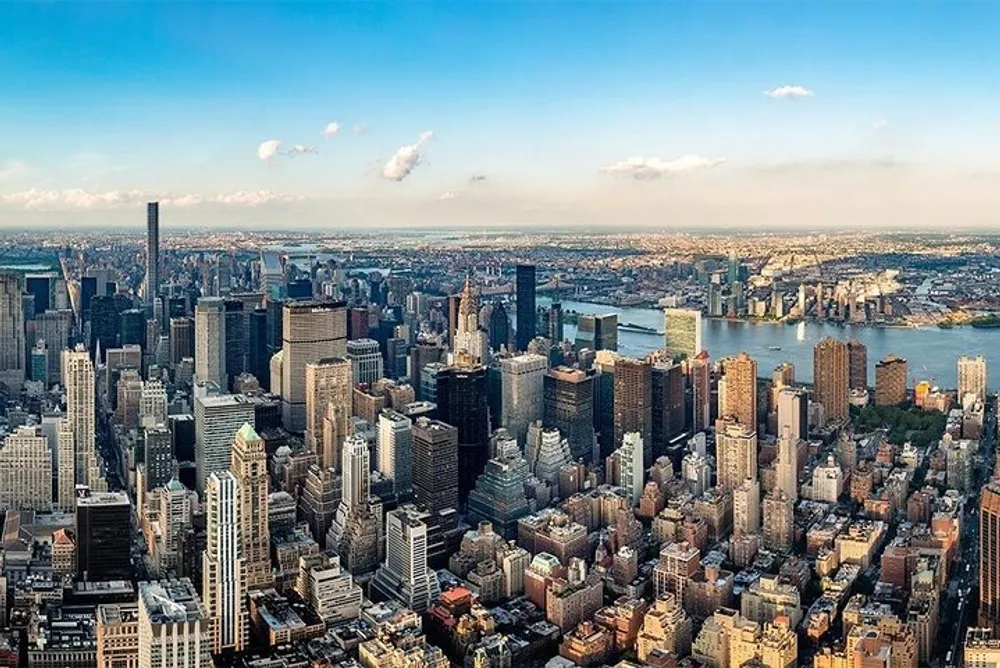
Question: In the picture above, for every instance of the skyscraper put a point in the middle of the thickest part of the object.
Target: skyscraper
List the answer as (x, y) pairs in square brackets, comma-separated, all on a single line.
[(103, 536), (210, 341), (858, 354), (787, 465), (250, 468), (522, 380), (682, 332), (989, 557), (701, 391), (152, 251), (395, 451), (366, 360), (569, 407), (216, 421), (668, 405), (174, 628), (890, 381), (435, 464), (499, 330), (26, 470), (12, 346), (739, 400), (237, 340), (470, 342), (223, 565), (972, 377), (311, 331), (597, 332), (736, 452), (329, 383), (526, 318), (630, 462), (634, 403), (831, 369), (78, 378), (793, 413), (462, 402), (181, 339), (405, 576)]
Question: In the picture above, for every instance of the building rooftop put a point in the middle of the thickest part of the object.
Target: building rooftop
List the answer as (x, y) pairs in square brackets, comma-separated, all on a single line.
[(168, 601)]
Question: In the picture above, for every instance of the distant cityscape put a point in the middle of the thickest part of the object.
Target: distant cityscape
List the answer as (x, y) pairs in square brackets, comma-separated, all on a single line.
[(282, 450)]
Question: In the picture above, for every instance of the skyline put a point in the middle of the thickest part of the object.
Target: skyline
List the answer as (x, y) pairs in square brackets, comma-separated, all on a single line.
[(372, 115)]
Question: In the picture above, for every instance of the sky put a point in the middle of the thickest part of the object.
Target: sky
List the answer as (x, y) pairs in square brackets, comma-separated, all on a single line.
[(672, 115)]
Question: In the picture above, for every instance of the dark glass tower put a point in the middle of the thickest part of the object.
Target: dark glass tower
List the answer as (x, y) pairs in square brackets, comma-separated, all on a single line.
[(133, 323), (499, 333), (103, 537), (526, 318), (258, 359), (105, 321), (569, 407), (236, 339), (152, 251), (462, 402)]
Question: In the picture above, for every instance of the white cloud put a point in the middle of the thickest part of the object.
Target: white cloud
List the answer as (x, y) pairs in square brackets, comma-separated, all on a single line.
[(331, 129), (301, 149), (359, 128), (880, 124), (11, 169), (653, 168), (406, 158), (268, 150), (789, 93), (447, 196), (79, 199)]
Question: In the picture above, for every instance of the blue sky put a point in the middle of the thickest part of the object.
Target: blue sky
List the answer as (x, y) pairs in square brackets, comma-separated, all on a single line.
[(118, 102)]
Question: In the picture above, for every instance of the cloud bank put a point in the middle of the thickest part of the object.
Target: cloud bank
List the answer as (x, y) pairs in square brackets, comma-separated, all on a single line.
[(789, 93), (406, 158), (645, 169), (79, 199)]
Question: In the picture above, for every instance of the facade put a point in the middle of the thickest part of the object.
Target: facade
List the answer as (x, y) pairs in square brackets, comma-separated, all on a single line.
[(210, 341), (989, 557), (12, 346), (779, 521), (174, 626), (682, 333), (569, 407), (630, 463), (787, 466), (739, 400), (158, 456), (971, 377), (329, 387), (329, 589), (366, 360), (311, 331), (890, 381), (857, 354), (405, 576), (499, 498), (522, 398), (462, 402), (118, 635), (793, 413), (597, 332), (746, 508), (79, 381), (223, 566), (633, 402), (216, 421), (831, 379), (666, 627), (152, 251), (736, 453), (249, 465), (435, 464), (103, 537), (26, 471), (526, 318), (470, 340), (394, 450)]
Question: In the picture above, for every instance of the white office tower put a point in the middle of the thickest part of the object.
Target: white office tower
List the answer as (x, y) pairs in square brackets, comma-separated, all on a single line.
[(630, 463), (971, 378), (746, 508), (547, 452), (175, 628), (328, 588), (395, 451), (12, 347), (329, 387), (355, 486), (223, 567), (471, 344), (311, 331), (210, 341), (405, 575), (793, 413), (66, 467), (366, 360), (26, 471), (523, 395), (79, 381), (787, 466), (216, 420), (696, 473), (152, 403)]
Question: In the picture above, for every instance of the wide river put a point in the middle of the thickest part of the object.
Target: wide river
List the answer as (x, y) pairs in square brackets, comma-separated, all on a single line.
[(932, 352)]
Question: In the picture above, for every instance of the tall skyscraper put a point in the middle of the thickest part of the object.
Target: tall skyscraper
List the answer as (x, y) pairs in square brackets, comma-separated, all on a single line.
[(526, 318), (12, 346), (158, 456), (569, 407), (989, 557), (972, 377), (329, 384), (746, 508), (435, 464), (216, 421), (857, 352), (634, 403), (311, 331), (152, 251), (668, 405), (366, 360), (499, 329), (26, 470), (787, 465), (103, 536), (356, 472), (470, 342), (405, 576), (210, 341), (522, 381), (793, 413), (175, 628), (79, 380), (597, 332), (66, 466), (630, 464), (831, 368), (181, 339), (735, 452), (682, 332), (223, 565), (890, 381), (395, 451), (250, 468), (462, 402), (739, 400), (237, 340), (701, 391)]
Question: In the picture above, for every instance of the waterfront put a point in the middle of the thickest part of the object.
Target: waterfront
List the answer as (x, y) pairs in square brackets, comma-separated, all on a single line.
[(931, 352)]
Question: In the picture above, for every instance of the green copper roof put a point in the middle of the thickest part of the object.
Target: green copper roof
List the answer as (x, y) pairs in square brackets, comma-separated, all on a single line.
[(247, 433)]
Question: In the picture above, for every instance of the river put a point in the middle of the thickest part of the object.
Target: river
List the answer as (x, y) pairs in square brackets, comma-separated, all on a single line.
[(931, 352)]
